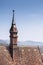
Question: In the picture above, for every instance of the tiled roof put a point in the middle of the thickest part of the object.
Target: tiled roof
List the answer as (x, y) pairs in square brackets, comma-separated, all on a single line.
[(5, 58), (28, 56), (23, 56)]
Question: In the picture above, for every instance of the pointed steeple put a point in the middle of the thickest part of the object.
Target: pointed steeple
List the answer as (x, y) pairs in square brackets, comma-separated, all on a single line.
[(13, 21), (13, 25)]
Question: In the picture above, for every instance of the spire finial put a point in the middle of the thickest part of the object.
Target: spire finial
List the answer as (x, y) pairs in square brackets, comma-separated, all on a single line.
[(13, 17), (13, 10)]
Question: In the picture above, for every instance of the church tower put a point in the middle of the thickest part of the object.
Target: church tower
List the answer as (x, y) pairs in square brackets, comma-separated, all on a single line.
[(13, 37)]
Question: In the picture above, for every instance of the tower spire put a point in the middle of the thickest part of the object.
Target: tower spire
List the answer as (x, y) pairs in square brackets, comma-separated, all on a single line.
[(13, 22), (13, 38)]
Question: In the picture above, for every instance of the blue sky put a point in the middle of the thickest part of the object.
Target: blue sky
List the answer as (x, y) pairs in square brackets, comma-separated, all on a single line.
[(28, 18)]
